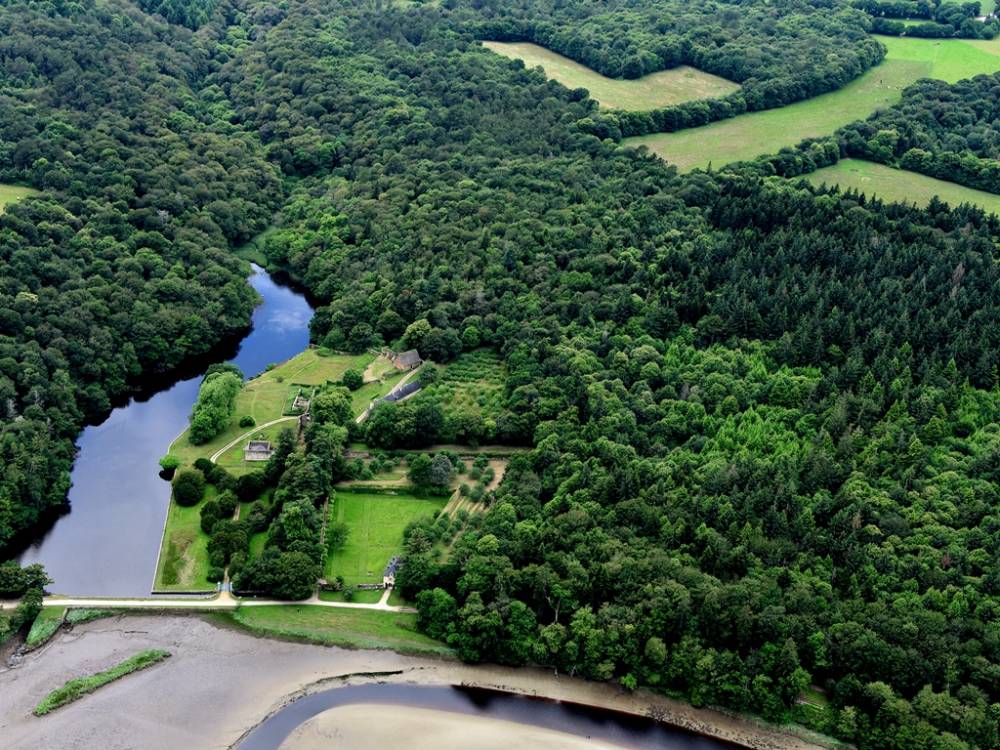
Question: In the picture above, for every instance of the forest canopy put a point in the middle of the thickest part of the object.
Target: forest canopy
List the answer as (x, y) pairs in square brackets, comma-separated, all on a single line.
[(762, 420)]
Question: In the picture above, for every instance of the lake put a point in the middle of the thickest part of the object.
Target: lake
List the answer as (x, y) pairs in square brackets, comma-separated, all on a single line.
[(106, 545)]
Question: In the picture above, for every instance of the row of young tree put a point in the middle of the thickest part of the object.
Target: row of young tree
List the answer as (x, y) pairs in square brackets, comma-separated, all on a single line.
[(763, 420), (120, 270)]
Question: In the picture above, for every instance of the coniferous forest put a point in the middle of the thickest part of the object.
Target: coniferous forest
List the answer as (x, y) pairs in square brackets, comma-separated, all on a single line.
[(762, 419)]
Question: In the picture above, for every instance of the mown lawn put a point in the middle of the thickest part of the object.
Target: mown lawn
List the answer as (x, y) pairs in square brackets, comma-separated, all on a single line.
[(264, 399), (45, 625), (661, 89), (352, 628), (13, 193), (183, 563), (376, 523), (900, 185), (766, 132)]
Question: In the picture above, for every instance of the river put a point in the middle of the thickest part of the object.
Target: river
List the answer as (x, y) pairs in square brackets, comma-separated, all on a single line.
[(106, 545), (617, 729)]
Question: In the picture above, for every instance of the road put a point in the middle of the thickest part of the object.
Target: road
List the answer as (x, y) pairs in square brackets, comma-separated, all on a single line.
[(223, 601)]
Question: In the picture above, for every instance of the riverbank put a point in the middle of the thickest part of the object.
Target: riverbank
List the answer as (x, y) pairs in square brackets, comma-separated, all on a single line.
[(221, 683)]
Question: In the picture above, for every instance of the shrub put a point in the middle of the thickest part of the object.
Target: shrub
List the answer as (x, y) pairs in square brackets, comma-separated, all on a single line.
[(210, 515), (204, 466), (249, 486), (247, 421), (215, 574), (78, 688), (352, 380), (227, 504), (189, 486), (170, 462)]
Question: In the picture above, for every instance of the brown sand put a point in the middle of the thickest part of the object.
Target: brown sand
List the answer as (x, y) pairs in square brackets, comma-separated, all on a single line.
[(363, 727)]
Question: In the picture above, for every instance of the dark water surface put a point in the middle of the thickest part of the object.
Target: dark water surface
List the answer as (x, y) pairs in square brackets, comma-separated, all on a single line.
[(621, 729), (108, 542)]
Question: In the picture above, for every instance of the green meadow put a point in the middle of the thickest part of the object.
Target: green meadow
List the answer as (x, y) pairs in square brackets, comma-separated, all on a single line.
[(767, 132), (900, 185), (13, 193), (375, 525), (661, 89)]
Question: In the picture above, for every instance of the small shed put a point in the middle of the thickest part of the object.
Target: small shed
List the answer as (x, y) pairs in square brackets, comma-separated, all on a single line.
[(408, 360), (258, 450), (389, 575)]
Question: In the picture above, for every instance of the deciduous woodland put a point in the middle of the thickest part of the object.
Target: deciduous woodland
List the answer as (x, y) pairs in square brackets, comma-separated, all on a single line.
[(762, 418)]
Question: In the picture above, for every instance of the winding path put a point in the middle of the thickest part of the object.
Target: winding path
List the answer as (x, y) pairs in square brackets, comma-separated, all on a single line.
[(245, 435)]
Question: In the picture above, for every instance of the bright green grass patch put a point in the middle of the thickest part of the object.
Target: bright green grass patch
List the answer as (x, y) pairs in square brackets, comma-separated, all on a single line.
[(45, 625), (472, 385), (362, 398), (184, 564), (376, 523), (76, 689), (662, 89), (751, 135), (900, 185), (358, 596), (80, 616), (13, 193), (353, 628)]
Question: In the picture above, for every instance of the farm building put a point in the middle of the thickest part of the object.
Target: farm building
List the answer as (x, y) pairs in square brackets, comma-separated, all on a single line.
[(258, 450), (389, 575), (408, 360)]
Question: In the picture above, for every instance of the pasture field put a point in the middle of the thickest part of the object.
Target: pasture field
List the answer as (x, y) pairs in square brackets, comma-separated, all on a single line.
[(767, 132), (376, 523), (13, 193), (661, 89), (900, 185)]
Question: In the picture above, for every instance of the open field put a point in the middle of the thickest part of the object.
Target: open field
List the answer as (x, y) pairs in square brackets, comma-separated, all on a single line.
[(13, 193), (768, 131), (376, 523), (352, 628), (900, 185), (662, 89)]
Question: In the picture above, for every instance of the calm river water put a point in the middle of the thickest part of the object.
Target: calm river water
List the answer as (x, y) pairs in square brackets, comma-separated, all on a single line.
[(620, 729), (106, 545)]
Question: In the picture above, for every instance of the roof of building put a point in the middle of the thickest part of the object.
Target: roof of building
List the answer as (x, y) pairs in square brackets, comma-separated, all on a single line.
[(391, 568), (410, 358), (258, 445)]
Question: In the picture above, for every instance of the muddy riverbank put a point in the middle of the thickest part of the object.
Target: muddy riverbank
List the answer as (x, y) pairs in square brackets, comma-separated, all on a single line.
[(221, 683)]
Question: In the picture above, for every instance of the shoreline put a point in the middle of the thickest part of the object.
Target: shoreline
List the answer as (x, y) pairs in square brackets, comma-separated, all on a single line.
[(536, 683), (223, 683)]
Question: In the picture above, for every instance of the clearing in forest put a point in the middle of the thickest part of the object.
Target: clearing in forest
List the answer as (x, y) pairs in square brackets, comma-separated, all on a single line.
[(662, 89), (891, 184), (13, 193), (375, 523), (767, 132)]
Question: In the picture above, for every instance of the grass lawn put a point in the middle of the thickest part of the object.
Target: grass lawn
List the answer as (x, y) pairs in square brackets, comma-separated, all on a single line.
[(766, 132), (183, 563), (376, 524), (45, 625), (353, 628), (662, 89), (264, 398), (361, 398), (359, 596), (900, 185), (13, 193)]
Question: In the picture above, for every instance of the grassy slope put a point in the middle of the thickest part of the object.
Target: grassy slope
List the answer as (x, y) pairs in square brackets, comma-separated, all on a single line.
[(900, 185), (357, 628), (766, 132), (45, 625), (183, 563), (14, 193), (376, 532), (660, 89)]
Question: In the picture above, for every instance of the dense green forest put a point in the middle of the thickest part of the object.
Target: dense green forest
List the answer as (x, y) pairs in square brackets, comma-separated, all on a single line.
[(927, 20), (763, 420), (778, 54)]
